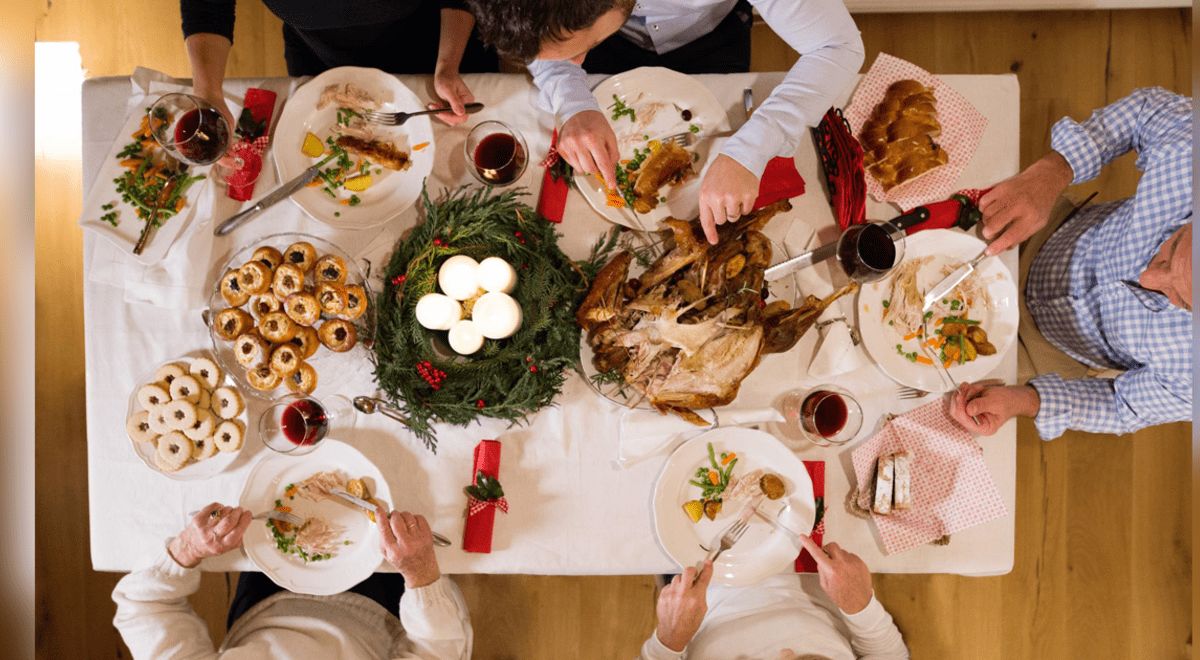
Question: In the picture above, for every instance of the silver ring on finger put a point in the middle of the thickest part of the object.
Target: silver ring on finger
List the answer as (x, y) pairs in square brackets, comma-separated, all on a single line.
[(214, 514)]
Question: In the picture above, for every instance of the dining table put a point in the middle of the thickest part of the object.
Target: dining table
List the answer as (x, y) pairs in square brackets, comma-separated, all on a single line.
[(572, 508)]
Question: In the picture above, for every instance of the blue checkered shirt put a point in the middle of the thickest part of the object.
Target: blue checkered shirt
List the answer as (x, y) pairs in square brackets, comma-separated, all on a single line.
[(1083, 287)]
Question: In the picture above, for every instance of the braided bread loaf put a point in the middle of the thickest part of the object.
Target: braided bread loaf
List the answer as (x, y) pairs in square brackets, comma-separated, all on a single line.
[(898, 138)]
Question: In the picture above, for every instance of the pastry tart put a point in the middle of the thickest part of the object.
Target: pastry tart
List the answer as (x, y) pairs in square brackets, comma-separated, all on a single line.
[(277, 328), (285, 359), (232, 322), (303, 380), (232, 291), (265, 304), (356, 302), (269, 256), (302, 255), (288, 279), (332, 297), (254, 277), (338, 335), (329, 268), (251, 350), (302, 308), (306, 340), (262, 378)]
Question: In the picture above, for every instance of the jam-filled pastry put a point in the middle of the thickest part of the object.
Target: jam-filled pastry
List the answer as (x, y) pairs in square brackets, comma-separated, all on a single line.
[(228, 436), (302, 308), (250, 350), (203, 448), (180, 414), (168, 373), (205, 423), (138, 427), (285, 359), (186, 388), (356, 302), (307, 341), (332, 297), (227, 403), (302, 380), (152, 394), (232, 290), (174, 451), (207, 372), (329, 268), (268, 256), (301, 255), (262, 305), (255, 277), (288, 279), (231, 322), (277, 328), (338, 335), (262, 378)]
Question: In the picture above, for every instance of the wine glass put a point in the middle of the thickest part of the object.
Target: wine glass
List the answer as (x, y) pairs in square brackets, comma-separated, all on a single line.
[(297, 423), (826, 415), (867, 252), (194, 131), (496, 152)]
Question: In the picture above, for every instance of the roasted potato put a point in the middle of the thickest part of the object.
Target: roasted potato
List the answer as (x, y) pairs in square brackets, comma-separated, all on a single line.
[(977, 334), (953, 329), (985, 348), (712, 508)]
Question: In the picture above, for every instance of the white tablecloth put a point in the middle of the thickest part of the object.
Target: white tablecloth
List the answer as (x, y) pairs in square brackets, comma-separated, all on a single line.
[(572, 509)]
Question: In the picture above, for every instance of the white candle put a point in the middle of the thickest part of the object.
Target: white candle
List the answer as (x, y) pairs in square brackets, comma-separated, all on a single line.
[(457, 277), (465, 338), (438, 312), (496, 274), (497, 314)]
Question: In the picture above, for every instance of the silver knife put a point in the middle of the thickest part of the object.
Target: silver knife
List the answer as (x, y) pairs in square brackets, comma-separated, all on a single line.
[(748, 101), (913, 217), (952, 280), (279, 194), (438, 539)]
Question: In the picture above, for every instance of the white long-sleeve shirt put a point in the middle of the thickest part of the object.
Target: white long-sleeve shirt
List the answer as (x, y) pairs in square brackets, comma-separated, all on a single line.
[(156, 622), (785, 612), (831, 53)]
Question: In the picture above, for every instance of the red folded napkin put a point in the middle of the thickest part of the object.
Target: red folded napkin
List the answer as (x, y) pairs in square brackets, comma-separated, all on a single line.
[(553, 198), (816, 469), (481, 515), (780, 180), (961, 210), (842, 163), (261, 105)]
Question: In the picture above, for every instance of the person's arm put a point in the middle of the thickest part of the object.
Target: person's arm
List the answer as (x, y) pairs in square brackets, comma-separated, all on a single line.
[(153, 614), (208, 36), (586, 140), (874, 635), (447, 82), (681, 608), (1133, 400)]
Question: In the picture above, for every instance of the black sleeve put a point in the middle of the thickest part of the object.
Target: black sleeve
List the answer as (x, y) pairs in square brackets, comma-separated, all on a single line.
[(454, 4), (214, 16)]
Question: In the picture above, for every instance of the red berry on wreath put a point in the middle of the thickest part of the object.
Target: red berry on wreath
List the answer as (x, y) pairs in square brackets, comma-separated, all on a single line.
[(517, 234), (533, 368), (479, 403)]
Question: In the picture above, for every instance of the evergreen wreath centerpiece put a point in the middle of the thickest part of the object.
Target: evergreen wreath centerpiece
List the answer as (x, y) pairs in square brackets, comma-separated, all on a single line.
[(506, 378)]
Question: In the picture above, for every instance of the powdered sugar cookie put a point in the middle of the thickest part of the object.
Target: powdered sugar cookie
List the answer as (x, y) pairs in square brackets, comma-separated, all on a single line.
[(169, 372), (205, 402), (152, 395), (156, 418), (180, 414), (203, 448), (186, 388), (203, 428), (174, 451), (138, 427), (227, 403), (228, 435), (207, 372)]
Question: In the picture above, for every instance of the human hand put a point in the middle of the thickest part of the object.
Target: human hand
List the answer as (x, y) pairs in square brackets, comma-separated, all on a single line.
[(588, 143), (992, 405), (1019, 206), (726, 194), (449, 86), (844, 575), (407, 544), (216, 97), (681, 607), (214, 530)]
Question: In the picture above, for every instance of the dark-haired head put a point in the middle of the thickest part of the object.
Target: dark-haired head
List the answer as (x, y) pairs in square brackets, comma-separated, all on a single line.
[(520, 29)]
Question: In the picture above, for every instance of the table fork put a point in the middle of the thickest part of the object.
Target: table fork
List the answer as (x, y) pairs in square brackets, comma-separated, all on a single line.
[(942, 367), (724, 542), (688, 138), (398, 118), (273, 514), (907, 392)]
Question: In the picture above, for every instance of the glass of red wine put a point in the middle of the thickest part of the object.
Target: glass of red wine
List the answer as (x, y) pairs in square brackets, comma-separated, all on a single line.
[(496, 153), (194, 131), (297, 423), (826, 415), (867, 252)]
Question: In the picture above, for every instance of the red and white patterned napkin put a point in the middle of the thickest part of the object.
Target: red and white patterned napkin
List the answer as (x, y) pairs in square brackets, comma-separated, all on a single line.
[(962, 127), (951, 486)]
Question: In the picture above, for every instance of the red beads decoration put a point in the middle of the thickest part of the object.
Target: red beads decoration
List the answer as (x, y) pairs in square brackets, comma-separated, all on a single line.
[(431, 374)]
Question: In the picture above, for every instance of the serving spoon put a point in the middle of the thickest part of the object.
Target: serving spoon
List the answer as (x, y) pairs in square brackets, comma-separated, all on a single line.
[(370, 405)]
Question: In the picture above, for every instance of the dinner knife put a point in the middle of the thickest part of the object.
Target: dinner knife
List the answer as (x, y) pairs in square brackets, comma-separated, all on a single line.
[(438, 539), (913, 217), (279, 194), (952, 280)]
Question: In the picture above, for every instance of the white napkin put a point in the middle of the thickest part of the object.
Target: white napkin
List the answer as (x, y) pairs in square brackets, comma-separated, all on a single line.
[(837, 353), (645, 433)]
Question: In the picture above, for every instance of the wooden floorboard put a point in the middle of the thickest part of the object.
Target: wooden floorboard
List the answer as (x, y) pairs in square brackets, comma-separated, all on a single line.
[(1103, 552)]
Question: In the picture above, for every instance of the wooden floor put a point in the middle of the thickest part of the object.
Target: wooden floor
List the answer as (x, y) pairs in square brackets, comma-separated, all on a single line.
[(1104, 543)]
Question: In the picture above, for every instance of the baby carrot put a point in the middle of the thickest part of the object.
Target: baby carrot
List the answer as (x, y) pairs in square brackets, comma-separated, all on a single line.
[(924, 360), (714, 477), (730, 457)]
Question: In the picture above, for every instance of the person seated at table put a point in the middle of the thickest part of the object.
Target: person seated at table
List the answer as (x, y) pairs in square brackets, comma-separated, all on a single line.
[(1111, 289), (785, 617), (560, 40), (411, 36), (156, 621)]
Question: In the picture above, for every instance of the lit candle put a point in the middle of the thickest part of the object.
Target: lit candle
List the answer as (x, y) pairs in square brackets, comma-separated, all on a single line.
[(438, 312), (496, 274), (497, 314), (457, 277), (465, 337)]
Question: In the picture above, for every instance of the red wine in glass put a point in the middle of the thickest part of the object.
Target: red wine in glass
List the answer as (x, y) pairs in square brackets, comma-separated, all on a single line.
[(824, 413), (201, 136), (866, 252), (499, 158), (304, 422)]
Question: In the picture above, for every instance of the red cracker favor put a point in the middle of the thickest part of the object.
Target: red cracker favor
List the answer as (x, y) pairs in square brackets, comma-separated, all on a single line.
[(816, 470), (484, 496), (252, 129), (553, 198)]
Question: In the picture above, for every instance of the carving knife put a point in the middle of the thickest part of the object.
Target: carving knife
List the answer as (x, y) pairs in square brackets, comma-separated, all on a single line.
[(279, 194), (913, 217)]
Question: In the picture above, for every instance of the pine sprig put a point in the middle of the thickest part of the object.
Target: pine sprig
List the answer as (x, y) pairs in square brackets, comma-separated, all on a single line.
[(507, 379)]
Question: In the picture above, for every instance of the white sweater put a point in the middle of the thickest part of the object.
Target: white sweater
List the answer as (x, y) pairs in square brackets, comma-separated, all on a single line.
[(156, 622), (785, 612)]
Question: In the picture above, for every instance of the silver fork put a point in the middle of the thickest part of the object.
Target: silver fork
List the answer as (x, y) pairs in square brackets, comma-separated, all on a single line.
[(942, 368), (688, 138), (726, 541), (907, 392), (273, 514), (398, 118)]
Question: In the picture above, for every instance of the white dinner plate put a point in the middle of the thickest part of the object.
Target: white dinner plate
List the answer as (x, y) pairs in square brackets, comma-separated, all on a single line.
[(658, 97), (129, 226), (392, 192), (762, 551), (194, 470), (351, 563), (1000, 318)]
